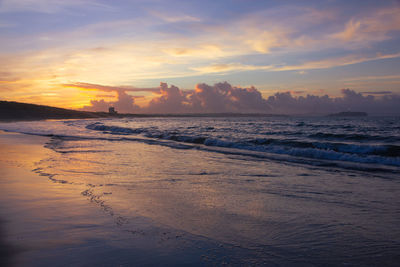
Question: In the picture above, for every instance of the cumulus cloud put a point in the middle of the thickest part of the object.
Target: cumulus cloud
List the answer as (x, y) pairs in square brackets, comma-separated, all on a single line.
[(171, 100), (225, 98), (222, 97), (218, 98), (350, 101), (125, 103)]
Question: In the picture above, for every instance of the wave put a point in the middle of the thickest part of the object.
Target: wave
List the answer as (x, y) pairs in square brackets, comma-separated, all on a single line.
[(288, 144), (358, 153), (98, 126), (355, 137)]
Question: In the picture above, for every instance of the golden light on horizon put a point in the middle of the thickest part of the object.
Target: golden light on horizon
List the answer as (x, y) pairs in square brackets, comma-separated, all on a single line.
[(258, 49)]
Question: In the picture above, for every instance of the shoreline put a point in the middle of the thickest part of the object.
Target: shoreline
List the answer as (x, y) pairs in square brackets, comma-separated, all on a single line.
[(46, 222)]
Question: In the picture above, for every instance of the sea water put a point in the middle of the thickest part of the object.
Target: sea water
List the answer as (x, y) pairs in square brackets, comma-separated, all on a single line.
[(259, 190)]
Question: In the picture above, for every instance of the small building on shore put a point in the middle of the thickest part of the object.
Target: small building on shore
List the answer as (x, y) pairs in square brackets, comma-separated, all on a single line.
[(111, 110)]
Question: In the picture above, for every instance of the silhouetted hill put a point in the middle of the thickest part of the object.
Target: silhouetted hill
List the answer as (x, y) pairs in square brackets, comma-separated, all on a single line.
[(10, 111)]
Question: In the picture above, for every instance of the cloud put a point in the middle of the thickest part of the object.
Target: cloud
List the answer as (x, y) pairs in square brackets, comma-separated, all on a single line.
[(106, 88), (337, 61), (7, 77), (225, 98), (350, 101), (130, 47), (221, 97), (349, 32), (125, 103), (204, 50), (378, 93), (307, 65), (173, 18), (46, 6), (298, 92), (171, 100), (371, 27), (367, 78), (264, 31), (302, 72), (229, 67), (106, 95), (141, 48), (264, 41)]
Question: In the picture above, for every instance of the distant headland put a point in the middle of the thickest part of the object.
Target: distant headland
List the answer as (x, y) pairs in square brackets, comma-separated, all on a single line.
[(12, 111)]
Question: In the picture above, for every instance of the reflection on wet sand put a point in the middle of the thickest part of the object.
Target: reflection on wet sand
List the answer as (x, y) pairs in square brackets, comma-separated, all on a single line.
[(48, 222)]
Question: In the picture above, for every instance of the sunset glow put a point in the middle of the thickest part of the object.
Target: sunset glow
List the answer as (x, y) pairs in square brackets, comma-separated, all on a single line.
[(199, 133), (50, 49)]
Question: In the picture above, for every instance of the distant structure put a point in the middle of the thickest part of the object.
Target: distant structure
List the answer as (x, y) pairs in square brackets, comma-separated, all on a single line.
[(111, 110)]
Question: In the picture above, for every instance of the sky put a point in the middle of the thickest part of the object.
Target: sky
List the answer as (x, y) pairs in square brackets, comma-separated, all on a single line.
[(170, 56)]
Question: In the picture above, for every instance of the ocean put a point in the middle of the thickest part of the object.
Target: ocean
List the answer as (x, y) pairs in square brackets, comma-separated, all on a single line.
[(276, 191)]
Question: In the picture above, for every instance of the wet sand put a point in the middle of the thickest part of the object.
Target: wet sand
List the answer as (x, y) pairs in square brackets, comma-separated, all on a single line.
[(48, 223), (43, 224), (79, 202)]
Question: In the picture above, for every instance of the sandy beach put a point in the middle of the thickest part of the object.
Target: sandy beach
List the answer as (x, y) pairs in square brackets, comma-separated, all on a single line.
[(45, 222)]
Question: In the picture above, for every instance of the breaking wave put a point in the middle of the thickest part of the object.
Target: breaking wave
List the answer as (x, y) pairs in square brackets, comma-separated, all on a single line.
[(385, 154)]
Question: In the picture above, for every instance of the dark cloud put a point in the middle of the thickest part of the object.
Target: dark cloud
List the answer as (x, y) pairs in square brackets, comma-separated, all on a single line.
[(223, 97)]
